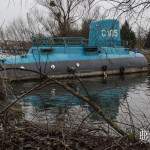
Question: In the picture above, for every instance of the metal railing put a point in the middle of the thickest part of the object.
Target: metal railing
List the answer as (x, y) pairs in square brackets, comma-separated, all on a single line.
[(54, 41)]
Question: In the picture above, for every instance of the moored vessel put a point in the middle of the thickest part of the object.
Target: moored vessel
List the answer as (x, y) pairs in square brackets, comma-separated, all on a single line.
[(64, 57)]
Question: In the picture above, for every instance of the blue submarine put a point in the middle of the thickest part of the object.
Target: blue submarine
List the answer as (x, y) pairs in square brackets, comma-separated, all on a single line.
[(65, 57)]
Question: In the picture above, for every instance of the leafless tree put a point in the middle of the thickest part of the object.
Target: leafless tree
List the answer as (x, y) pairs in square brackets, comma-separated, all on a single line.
[(65, 13), (131, 8)]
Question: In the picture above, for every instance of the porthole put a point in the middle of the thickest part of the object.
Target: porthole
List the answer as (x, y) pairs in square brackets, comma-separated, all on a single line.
[(77, 65), (22, 67), (53, 67)]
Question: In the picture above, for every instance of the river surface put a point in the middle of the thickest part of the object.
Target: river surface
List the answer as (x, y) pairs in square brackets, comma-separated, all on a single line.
[(118, 96)]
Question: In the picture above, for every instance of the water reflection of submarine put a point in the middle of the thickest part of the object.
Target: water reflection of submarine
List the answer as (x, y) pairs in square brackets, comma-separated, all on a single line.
[(53, 92), (71, 84), (74, 86), (109, 101)]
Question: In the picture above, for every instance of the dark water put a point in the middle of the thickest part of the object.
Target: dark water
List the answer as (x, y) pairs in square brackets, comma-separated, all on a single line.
[(114, 95)]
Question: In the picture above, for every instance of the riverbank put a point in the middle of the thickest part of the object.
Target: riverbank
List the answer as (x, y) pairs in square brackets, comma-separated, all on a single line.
[(29, 136)]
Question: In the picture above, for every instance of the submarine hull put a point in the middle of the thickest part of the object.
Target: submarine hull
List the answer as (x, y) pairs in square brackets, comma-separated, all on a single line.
[(68, 69)]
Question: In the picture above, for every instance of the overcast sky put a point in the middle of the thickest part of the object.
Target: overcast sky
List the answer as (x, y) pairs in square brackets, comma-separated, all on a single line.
[(13, 9)]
